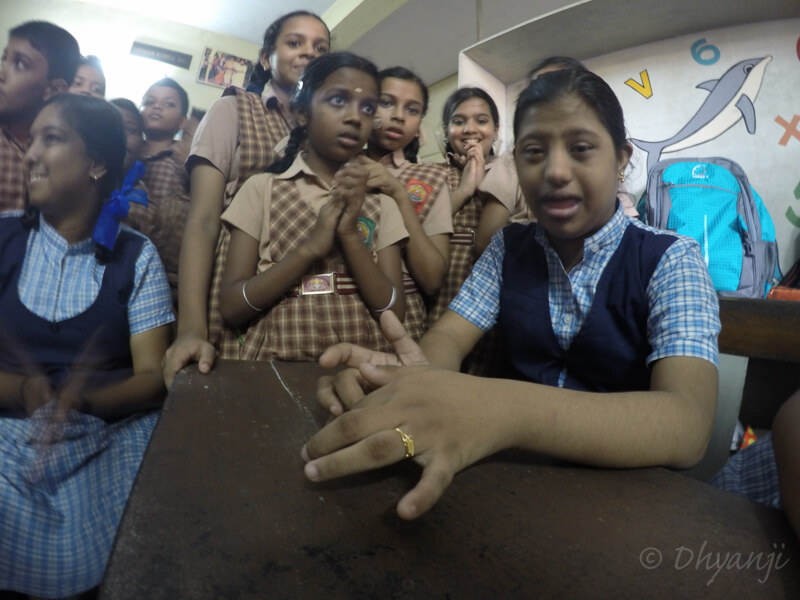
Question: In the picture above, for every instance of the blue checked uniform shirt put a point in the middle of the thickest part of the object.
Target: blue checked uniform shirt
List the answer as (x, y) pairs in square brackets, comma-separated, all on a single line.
[(684, 310), (59, 281)]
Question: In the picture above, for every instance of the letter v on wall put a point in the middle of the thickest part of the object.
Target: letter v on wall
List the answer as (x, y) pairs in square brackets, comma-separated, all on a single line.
[(643, 88)]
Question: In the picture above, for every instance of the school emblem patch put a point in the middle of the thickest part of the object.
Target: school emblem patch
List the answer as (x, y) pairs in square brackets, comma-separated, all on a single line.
[(366, 229), (418, 192)]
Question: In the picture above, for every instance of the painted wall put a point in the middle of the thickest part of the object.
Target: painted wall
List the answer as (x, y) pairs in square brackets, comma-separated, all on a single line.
[(657, 86), (109, 34)]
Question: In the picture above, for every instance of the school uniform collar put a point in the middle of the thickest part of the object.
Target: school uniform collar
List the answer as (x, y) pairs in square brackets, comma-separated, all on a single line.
[(609, 234), (272, 102), (163, 154), (55, 245), (300, 168)]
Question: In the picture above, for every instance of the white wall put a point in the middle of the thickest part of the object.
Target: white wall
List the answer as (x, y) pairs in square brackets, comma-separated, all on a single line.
[(109, 34), (773, 169)]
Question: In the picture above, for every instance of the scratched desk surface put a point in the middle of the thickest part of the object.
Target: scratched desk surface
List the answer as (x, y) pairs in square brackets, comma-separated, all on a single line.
[(221, 509)]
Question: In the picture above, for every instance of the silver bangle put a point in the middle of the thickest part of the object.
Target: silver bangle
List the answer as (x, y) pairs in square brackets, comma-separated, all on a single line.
[(391, 302), (255, 308)]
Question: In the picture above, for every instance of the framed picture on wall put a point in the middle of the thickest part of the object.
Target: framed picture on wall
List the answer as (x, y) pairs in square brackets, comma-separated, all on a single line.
[(222, 69)]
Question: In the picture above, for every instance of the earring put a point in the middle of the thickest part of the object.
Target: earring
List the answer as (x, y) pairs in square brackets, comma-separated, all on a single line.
[(94, 178), (621, 176)]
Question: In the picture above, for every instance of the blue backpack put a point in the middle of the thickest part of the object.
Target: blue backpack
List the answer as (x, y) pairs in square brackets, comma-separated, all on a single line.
[(712, 201)]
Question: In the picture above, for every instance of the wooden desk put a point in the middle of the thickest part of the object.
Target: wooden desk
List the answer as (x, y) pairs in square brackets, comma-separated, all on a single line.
[(221, 510)]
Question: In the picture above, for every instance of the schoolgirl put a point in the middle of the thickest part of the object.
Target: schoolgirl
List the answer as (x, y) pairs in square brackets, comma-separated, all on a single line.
[(470, 120), (310, 248), (235, 139), (610, 327), (420, 190), (84, 314)]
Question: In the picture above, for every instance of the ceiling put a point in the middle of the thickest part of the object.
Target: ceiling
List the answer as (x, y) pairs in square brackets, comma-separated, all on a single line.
[(423, 35)]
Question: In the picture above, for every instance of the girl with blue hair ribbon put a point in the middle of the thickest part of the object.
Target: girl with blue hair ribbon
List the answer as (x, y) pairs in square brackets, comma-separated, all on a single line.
[(84, 322)]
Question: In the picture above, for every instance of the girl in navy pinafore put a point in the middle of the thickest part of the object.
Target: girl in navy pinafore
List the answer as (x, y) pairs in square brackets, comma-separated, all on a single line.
[(83, 326)]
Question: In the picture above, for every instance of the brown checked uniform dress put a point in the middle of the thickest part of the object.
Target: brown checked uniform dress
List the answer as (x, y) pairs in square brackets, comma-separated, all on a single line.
[(238, 136), (426, 185), (166, 182), (486, 357), (12, 180), (281, 211)]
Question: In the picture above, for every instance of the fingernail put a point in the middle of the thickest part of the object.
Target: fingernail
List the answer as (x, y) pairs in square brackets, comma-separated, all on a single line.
[(311, 472), (304, 454)]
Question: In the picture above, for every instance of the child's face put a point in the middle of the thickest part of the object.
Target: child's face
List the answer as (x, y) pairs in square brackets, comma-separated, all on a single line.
[(341, 115), (301, 39), (568, 168), (400, 113), (57, 170), (134, 140), (162, 111), (24, 83), (88, 82), (470, 124)]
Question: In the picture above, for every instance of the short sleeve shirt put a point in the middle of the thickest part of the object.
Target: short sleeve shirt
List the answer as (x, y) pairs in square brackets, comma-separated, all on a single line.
[(250, 209)]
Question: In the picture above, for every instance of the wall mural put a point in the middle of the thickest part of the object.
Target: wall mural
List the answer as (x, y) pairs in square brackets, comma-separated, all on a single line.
[(730, 100)]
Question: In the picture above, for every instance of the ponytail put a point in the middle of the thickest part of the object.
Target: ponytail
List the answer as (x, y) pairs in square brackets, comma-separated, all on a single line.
[(411, 150), (296, 139), (258, 79)]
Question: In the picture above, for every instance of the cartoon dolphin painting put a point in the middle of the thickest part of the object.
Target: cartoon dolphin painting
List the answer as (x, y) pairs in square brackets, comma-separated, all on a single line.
[(731, 98)]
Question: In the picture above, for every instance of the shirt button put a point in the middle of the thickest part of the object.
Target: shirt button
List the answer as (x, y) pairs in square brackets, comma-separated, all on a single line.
[(567, 319)]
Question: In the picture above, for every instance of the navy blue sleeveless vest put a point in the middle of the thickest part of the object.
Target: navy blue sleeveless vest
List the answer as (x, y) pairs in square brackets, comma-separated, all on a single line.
[(609, 351), (99, 337)]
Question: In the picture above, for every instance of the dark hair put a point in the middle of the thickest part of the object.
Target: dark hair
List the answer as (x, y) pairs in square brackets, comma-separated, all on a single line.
[(128, 105), (454, 101), (99, 125), (59, 47), (171, 83), (590, 88), (314, 75), (565, 62), (412, 148), (260, 76)]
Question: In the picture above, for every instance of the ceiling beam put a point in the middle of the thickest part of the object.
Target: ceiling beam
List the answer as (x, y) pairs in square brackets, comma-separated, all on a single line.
[(348, 20)]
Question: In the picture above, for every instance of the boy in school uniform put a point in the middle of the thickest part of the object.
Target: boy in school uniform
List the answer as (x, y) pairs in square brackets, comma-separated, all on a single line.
[(164, 113), (39, 61)]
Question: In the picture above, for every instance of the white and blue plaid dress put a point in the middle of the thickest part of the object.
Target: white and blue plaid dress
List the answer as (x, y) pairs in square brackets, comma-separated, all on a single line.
[(64, 483)]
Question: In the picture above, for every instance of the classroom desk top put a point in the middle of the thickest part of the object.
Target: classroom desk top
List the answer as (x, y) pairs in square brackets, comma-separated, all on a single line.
[(221, 509)]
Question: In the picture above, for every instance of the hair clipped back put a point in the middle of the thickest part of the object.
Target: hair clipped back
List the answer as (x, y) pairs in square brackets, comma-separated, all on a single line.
[(58, 46), (314, 75), (260, 76), (455, 100), (411, 149), (590, 88)]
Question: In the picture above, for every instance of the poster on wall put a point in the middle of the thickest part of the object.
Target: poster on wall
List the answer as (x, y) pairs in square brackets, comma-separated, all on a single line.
[(222, 69)]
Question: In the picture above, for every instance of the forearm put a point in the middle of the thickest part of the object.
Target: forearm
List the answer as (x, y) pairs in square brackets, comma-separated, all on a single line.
[(442, 349), (493, 217), (619, 430), (425, 263), (196, 265), (141, 391), (458, 199), (264, 289), (786, 444), (373, 284)]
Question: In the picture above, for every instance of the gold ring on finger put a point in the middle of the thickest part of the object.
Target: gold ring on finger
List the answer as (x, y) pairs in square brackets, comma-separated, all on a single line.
[(408, 443)]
